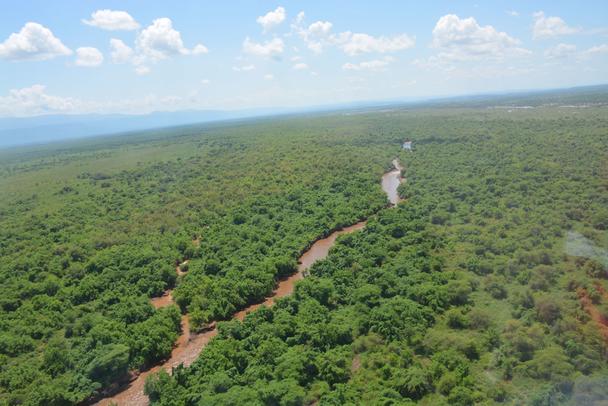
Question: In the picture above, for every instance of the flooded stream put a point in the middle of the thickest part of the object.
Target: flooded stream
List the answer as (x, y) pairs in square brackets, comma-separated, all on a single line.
[(189, 346)]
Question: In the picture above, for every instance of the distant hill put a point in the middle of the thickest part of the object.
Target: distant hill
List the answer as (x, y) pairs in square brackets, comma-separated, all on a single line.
[(48, 128), (42, 129)]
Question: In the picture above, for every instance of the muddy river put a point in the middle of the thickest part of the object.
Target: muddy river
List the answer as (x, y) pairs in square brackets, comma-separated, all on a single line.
[(189, 345)]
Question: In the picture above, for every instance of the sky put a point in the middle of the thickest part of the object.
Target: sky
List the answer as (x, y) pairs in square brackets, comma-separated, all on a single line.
[(134, 57)]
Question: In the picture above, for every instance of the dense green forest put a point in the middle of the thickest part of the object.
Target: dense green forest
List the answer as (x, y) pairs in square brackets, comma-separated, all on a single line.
[(90, 231), (465, 293)]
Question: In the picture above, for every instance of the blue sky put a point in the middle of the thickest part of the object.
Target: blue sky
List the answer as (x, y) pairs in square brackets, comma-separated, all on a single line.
[(140, 56)]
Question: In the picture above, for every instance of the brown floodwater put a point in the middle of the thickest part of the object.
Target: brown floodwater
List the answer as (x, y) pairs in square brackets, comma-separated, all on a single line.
[(391, 181), (189, 345), (317, 251)]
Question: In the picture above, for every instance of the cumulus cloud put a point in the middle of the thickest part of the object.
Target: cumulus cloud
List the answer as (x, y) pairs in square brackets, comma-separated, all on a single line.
[(34, 100), (464, 39), (359, 43), (244, 68), (548, 27), (112, 20), (316, 35), (88, 57), (268, 76), (272, 18), (267, 49), (156, 42), (160, 40), (560, 51), (319, 28), (205, 82), (300, 66), (120, 52), (33, 42), (376, 65)]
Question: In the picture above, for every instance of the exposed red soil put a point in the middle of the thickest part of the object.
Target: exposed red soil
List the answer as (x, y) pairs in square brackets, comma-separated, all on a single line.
[(594, 313)]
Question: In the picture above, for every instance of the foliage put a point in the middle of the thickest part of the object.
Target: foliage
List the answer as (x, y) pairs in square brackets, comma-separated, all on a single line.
[(463, 294)]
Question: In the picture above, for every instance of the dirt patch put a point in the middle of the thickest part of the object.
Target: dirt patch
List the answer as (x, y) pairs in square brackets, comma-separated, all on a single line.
[(594, 313)]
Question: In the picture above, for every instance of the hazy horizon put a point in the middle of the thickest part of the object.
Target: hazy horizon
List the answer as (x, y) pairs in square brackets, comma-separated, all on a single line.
[(42, 129)]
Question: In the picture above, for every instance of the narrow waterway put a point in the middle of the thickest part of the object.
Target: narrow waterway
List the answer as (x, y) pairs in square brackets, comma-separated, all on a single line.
[(391, 181), (189, 346)]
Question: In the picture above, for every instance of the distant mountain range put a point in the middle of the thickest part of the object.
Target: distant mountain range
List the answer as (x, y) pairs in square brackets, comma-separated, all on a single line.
[(48, 128)]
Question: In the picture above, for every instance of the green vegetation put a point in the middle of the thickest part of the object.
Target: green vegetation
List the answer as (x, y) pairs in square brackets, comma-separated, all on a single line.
[(89, 233), (463, 294)]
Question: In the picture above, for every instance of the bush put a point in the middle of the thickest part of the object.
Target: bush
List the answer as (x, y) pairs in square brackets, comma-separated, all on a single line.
[(496, 287), (547, 309), (455, 319), (550, 364), (479, 319), (461, 396)]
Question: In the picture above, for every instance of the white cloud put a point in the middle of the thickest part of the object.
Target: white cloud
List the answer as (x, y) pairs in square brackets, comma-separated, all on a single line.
[(120, 52), (376, 65), (319, 28), (359, 43), (112, 20), (464, 39), (272, 18), (315, 35), (268, 77), (156, 42), (34, 42), (244, 68), (33, 100), (268, 48), (300, 66), (205, 82), (295, 58), (199, 49), (88, 57), (315, 46), (560, 51), (513, 13), (142, 70), (300, 17), (160, 41), (595, 50), (318, 35), (548, 27)]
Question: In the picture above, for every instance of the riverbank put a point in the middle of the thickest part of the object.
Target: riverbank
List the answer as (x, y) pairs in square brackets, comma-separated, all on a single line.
[(189, 346)]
